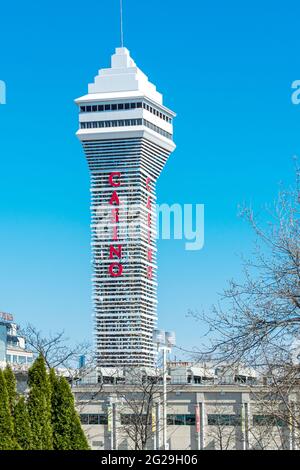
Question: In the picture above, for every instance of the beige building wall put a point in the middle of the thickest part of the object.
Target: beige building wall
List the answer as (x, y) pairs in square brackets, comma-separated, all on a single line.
[(230, 418)]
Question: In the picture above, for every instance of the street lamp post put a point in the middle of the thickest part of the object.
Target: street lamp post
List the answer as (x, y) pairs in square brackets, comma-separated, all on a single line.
[(164, 342)]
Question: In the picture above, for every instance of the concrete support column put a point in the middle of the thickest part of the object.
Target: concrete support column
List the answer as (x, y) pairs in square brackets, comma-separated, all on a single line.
[(243, 426), (200, 406), (245, 413), (154, 425), (158, 425), (112, 421), (197, 426), (110, 425), (247, 425), (202, 425), (115, 426)]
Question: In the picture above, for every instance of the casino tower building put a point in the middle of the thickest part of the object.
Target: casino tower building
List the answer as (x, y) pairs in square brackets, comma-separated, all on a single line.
[(127, 136)]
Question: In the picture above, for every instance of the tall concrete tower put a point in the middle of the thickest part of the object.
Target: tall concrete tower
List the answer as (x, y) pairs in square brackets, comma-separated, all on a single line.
[(127, 137)]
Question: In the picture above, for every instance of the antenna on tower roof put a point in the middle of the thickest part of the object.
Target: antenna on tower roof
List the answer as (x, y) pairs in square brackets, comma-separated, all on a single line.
[(121, 23)]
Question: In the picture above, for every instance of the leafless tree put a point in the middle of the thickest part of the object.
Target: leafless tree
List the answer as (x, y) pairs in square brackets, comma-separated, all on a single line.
[(137, 402), (223, 431), (269, 429), (55, 348), (257, 320)]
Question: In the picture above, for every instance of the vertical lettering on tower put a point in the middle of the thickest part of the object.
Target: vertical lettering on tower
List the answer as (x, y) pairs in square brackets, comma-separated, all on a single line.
[(149, 222), (115, 268)]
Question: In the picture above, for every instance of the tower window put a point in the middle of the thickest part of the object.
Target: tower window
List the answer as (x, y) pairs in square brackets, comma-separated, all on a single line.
[(126, 122), (121, 106)]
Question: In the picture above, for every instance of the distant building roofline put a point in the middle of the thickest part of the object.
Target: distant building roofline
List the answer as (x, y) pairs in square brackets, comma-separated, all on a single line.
[(8, 317)]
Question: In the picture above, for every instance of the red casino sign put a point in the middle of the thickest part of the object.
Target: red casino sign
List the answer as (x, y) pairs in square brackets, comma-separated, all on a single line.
[(149, 205), (115, 268)]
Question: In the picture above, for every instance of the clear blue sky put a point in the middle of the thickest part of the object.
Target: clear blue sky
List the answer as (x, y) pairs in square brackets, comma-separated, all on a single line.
[(226, 68)]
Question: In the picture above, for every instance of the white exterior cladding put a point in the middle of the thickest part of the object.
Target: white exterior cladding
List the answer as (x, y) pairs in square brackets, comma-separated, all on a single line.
[(126, 133)]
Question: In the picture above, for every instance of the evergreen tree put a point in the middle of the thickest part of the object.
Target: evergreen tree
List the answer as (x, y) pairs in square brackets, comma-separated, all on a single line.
[(78, 438), (67, 431), (11, 385), (39, 406), (23, 433), (7, 441)]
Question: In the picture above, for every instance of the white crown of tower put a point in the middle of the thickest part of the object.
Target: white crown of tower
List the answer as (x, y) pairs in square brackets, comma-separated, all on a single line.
[(124, 75), (124, 79)]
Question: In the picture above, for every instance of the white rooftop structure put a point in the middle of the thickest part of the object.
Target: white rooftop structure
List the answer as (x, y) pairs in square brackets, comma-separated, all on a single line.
[(122, 79)]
